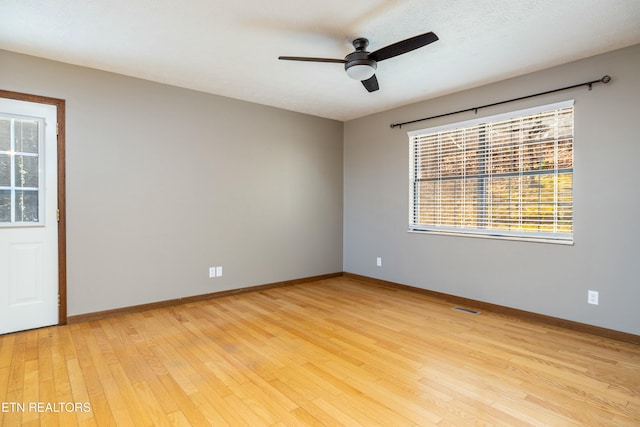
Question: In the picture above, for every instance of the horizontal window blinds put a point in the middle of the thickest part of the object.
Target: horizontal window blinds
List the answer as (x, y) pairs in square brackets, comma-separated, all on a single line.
[(504, 175)]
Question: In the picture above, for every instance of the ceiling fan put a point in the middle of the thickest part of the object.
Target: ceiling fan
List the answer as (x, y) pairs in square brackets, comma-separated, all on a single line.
[(361, 65)]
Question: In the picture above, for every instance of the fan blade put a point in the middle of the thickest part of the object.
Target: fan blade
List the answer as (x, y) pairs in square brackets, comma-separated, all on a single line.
[(304, 58), (371, 84), (403, 46)]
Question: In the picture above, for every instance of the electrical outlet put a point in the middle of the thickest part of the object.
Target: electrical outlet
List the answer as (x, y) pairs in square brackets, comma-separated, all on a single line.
[(212, 272), (379, 261), (219, 271), (592, 297)]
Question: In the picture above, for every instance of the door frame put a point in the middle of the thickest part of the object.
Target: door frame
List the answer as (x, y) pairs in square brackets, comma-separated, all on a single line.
[(62, 223)]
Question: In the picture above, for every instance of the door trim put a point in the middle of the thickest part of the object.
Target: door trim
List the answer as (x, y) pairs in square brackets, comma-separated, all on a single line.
[(62, 223)]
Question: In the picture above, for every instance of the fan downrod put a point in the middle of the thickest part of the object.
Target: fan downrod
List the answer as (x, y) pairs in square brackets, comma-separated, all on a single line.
[(360, 43)]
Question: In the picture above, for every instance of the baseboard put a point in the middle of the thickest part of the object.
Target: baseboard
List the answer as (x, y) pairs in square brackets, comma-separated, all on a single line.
[(541, 318), (88, 317)]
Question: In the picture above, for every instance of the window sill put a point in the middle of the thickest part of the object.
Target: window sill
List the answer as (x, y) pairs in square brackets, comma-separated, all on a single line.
[(494, 236)]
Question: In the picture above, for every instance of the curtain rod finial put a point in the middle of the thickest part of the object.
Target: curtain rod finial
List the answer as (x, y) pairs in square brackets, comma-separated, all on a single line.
[(605, 79)]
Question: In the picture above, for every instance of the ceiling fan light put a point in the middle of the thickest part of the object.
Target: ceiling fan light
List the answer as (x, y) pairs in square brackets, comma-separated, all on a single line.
[(361, 71)]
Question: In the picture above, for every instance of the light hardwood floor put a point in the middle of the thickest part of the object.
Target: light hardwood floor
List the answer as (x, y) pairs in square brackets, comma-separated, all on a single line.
[(333, 352)]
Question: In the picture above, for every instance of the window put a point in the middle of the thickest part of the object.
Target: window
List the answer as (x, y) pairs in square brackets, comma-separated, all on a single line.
[(20, 195), (501, 176)]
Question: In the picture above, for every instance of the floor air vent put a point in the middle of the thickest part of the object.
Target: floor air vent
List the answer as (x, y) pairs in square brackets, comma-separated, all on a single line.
[(466, 310)]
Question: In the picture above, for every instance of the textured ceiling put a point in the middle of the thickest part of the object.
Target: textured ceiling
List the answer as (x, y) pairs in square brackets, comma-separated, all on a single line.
[(230, 48)]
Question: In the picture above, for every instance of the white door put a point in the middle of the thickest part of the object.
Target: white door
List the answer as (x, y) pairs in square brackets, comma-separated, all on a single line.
[(28, 216)]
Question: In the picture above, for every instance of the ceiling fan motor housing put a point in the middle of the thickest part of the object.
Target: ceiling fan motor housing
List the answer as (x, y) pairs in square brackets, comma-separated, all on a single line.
[(358, 65)]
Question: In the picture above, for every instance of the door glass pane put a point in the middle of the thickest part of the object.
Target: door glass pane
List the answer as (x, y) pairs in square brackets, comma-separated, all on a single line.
[(5, 205), (5, 134), (26, 136), (5, 170), (19, 170), (26, 206), (26, 171)]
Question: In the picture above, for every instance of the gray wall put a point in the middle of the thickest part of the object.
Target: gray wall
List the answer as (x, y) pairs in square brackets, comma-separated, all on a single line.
[(163, 183), (543, 278)]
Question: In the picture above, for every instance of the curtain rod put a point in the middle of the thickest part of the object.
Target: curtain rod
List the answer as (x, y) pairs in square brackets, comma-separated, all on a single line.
[(604, 79)]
